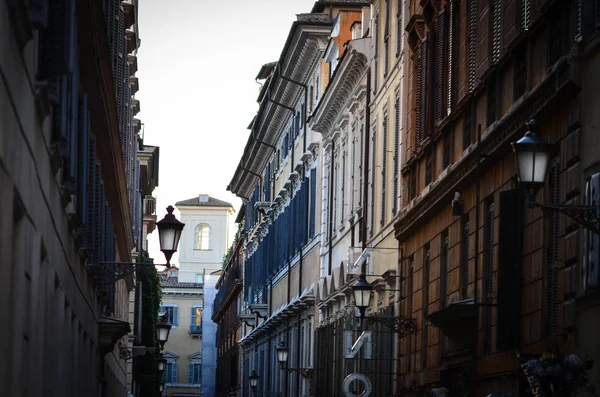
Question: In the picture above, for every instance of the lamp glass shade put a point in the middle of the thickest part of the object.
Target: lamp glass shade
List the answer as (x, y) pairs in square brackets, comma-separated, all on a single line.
[(282, 353), (169, 233), (253, 379), (532, 155), (362, 293), (161, 387), (162, 332)]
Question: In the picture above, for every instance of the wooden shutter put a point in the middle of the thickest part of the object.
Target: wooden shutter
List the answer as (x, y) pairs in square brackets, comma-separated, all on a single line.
[(464, 260), (421, 75), (467, 126), (193, 317), (373, 168), (450, 66), (384, 150), (175, 316), (376, 55), (398, 27), (496, 30), (361, 165), (491, 100), (444, 269), (510, 262), (440, 66), (395, 192), (313, 203), (553, 222), (174, 372), (525, 14), (472, 20), (83, 161), (488, 274), (424, 329), (191, 373), (386, 38)]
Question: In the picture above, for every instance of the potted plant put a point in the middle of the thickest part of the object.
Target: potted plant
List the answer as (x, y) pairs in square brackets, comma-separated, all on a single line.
[(558, 376)]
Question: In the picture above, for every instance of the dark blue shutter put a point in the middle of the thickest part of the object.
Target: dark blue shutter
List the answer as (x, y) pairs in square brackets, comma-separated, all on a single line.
[(313, 199), (54, 49), (193, 319), (38, 13), (175, 316), (83, 162), (191, 373), (174, 372)]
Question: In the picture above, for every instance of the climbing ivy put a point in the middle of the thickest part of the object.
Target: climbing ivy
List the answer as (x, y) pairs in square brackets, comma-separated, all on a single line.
[(232, 247), (146, 366)]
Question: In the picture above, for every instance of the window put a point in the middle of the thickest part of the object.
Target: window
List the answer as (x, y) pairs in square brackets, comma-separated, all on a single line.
[(464, 259), (488, 272), (173, 273), (196, 320), (428, 169), (172, 313), (467, 119), (195, 372), (202, 237), (170, 373), (425, 332), (520, 74), (444, 268), (447, 158), (492, 101), (199, 278)]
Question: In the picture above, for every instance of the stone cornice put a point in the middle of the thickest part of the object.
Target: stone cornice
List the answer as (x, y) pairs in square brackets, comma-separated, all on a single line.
[(97, 80), (345, 80)]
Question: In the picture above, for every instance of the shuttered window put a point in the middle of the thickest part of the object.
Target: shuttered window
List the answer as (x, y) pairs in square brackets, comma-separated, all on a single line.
[(376, 55), (386, 39), (361, 164), (525, 14), (343, 187), (464, 257), (384, 149), (447, 149), (472, 21), (520, 73), (412, 184), (496, 29), (452, 17), (426, 269), (553, 241), (398, 27), (373, 173), (441, 70), (488, 275), (444, 268), (395, 193), (467, 126), (491, 100), (313, 202), (510, 265), (428, 169), (421, 97)]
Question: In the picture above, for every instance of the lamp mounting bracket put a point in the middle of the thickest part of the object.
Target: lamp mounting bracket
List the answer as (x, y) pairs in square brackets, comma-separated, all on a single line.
[(106, 273), (127, 353), (587, 216), (400, 324)]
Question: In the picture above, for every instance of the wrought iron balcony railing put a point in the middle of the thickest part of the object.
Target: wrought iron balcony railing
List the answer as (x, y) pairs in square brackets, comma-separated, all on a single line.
[(195, 330)]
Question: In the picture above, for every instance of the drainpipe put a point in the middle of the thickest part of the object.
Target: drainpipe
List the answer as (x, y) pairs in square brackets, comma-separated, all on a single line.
[(366, 168)]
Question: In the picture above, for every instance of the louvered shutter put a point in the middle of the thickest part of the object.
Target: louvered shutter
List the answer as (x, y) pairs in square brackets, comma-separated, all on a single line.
[(464, 260), (450, 66), (174, 372), (83, 162), (384, 149), (425, 328), (496, 30), (440, 67), (73, 130), (54, 40), (491, 99), (467, 121), (525, 14), (444, 269), (510, 266), (488, 274), (552, 251), (191, 373), (313, 199), (395, 193), (361, 165), (376, 55), (386, 38), (175, 316), (421, 93), (398, 27), (343, 187), (472, 15), (373, 168), (193, 318)]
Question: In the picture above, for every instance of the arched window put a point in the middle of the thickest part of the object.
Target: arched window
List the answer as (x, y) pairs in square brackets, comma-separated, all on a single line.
[(202, 237)]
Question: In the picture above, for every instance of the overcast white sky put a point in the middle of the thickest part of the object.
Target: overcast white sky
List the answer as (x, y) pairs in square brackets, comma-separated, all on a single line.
[(197, 63)]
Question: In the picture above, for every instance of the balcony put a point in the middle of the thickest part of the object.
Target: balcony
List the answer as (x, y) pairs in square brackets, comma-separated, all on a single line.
[(195, 330)]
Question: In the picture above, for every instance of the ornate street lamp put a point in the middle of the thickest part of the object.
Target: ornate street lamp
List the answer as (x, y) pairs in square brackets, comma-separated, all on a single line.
[(161, 363), (162, 332), (253, 377), (362, 294), (282, 354), (533, 155), (169, 232)]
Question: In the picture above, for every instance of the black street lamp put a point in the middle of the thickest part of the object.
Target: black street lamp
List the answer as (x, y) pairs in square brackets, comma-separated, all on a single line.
[(162, 332), (253, 377), (161, 363), (169, 232), (533, 155), (362, 294), (282, 354)]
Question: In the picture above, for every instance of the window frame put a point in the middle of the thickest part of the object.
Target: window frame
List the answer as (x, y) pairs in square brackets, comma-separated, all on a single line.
[(200, 228)]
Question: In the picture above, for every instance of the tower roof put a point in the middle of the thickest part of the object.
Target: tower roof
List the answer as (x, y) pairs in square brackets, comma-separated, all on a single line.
[(203, 200)]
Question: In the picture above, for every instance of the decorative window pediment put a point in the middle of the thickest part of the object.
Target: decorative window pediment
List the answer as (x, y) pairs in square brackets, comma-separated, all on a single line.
[(415, 30)]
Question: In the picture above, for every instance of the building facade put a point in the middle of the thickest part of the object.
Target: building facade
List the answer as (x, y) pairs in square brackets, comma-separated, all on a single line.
[(409, 143), (71, 194)]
